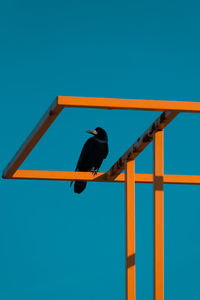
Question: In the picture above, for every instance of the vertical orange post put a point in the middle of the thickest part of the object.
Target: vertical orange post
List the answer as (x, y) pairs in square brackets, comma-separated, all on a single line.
[(158, 216), (130, 229)]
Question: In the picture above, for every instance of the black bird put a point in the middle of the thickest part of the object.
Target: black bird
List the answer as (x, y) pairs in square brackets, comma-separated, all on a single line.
[(93, 153)]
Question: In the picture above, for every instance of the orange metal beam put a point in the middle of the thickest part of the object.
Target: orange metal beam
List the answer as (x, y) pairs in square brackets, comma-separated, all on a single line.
[(101, 177), (109, 103), (127, 161), (130, 104), (52, 114), (42, 126), (65, 176), (181, 179), (158, 217), (130, 229), (142, 142)]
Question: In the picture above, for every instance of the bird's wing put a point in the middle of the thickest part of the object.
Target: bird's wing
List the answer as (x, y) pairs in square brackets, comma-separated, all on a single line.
[(84, 158), (106, 151), (102, 155)]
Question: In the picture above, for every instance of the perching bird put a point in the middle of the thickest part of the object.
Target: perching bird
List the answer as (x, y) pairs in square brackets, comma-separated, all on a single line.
[(93, 153)]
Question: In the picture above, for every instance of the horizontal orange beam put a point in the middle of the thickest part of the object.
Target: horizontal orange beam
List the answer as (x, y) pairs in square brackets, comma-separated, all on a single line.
[(130, 104), (182, 179), (65, 175), (101, 177)]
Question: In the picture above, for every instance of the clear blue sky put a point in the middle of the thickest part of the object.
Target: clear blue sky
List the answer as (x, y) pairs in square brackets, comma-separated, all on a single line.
[(58, 245)]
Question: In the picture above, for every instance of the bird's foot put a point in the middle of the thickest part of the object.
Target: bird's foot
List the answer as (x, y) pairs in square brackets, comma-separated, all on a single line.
[(94, 171)]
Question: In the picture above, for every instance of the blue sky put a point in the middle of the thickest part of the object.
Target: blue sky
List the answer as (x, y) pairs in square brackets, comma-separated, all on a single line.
[(58, 245)]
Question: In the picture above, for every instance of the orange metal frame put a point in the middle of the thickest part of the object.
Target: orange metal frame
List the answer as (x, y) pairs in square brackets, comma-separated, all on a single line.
[(170, 109)]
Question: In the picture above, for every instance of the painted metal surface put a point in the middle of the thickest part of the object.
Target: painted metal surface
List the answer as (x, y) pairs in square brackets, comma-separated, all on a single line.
[(142, 142), (34, 137), (129, 104), (127, 161), (101, 177), (158, 216), (130, 229), (91, 102), (53, 112)]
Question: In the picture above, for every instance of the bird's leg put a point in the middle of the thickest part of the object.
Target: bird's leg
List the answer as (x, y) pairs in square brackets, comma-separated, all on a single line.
[(94, 171)]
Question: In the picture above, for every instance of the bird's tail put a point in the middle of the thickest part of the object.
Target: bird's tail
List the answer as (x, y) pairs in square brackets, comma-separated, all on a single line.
[(79, 186)]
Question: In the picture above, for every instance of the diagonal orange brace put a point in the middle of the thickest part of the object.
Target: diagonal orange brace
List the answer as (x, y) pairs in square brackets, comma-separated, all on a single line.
[(34, 137), (142, 142)]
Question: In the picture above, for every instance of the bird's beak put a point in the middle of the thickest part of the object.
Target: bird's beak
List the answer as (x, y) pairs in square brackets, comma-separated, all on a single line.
[(94, 132)]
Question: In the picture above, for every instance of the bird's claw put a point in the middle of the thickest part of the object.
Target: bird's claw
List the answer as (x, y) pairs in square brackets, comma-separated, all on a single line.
[(94, 172)]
